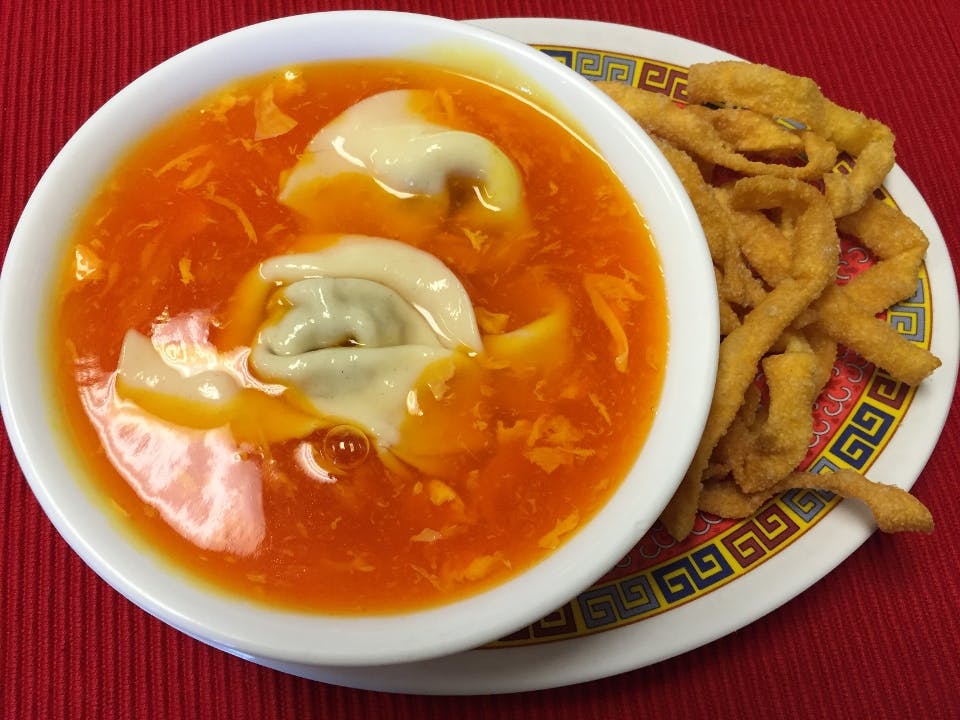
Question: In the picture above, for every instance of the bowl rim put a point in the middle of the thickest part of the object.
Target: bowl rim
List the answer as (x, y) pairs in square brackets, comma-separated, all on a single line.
[(211, 616)]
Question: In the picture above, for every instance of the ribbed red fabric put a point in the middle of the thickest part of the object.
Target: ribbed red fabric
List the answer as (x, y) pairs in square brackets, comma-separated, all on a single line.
[(876, 638)]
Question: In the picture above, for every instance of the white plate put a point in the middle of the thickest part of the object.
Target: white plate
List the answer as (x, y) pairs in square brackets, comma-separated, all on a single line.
[(752, 593)]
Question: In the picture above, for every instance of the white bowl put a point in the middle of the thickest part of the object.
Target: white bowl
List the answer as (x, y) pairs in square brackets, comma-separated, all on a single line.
[(256, 632)]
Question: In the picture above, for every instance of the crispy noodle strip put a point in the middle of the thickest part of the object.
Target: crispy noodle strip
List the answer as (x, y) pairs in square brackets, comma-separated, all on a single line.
[(762, 244), (761, 88), (814, 266), (847, 312), (689, 131), (871, 143), (734, 280), (749, 131), (894, 509), (777, 440), (775, 93), (898, 244)]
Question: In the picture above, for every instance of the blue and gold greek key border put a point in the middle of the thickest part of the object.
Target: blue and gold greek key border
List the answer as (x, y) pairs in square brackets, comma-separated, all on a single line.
[(745, 545), (664, 78)]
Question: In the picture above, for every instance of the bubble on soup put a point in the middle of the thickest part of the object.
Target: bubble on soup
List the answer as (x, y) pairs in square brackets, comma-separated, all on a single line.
[(346, 446)]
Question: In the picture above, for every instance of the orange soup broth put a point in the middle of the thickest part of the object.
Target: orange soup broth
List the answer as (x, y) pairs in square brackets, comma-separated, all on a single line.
[(528, 454)]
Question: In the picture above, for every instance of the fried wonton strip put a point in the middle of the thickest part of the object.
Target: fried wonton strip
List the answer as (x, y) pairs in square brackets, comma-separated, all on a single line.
[(847, 313), (723, 497), (885, 283), (761, 88), (713, 218), (894, 509), (729, 320), (749, 131), (812, 230), (775, 446), (660, 116), (871, 143), (778, 94), (875, 340), (814, 267), (898, 244), (764, 247), (729, 449), (735, 282)]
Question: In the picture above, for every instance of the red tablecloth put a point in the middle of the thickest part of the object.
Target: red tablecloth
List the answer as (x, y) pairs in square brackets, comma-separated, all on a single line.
[(878, 637)]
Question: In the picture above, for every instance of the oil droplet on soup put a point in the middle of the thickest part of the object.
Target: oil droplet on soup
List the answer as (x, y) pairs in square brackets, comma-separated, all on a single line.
[(345, 446), (385, 389)]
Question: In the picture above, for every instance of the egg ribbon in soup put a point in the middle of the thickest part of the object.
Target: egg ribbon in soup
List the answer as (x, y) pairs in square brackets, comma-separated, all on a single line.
[(379, 336)]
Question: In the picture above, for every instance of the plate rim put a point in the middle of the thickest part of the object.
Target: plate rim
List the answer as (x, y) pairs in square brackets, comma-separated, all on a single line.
[(821, 549)]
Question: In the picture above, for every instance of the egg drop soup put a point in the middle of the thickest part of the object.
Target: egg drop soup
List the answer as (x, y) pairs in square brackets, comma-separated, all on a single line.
[(359, 337)]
